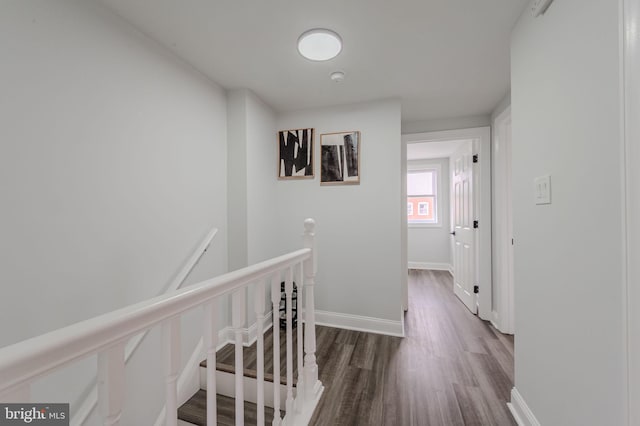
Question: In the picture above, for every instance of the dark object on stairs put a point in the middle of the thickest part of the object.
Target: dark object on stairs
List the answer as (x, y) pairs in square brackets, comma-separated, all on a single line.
[(283, 306)]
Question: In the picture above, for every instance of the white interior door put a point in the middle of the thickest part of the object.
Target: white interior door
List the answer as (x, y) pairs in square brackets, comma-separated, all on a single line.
[(464, 246)]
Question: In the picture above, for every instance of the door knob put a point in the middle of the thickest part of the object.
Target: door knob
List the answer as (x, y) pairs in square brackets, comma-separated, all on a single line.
[(453, 233)]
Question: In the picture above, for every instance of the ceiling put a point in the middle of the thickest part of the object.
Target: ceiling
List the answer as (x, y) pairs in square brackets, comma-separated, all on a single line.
[(442, 58), (430, 150)]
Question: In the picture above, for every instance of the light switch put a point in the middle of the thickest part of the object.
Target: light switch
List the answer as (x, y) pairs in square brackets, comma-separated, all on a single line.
[(542, 188)]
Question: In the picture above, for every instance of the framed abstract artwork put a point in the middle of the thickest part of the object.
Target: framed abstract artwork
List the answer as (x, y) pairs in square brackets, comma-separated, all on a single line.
[(295, 154), (340, 158)]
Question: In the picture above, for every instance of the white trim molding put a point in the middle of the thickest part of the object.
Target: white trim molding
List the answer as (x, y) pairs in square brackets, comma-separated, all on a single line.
[(360, 323), (249, 334), (521, 411), (502, 223), (433, 266), (630, 69)]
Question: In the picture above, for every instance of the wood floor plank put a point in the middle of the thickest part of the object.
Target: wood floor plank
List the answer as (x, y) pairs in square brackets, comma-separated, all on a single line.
[(451, 368)]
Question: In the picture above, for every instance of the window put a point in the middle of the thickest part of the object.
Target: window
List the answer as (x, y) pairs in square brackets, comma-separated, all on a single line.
[(422, 197)]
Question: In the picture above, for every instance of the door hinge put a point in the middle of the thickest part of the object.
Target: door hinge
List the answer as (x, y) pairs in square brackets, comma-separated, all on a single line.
[(476, 289), (475, 224), (475, 158)]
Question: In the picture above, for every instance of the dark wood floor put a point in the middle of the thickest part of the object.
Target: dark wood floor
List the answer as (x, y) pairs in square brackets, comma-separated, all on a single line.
[(450, 369), (195, 411)]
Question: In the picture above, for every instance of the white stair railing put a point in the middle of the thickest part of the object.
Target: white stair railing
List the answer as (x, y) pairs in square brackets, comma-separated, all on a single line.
[(91, 399), (275, 301), (260, 317), (300, 354), (107, 335)]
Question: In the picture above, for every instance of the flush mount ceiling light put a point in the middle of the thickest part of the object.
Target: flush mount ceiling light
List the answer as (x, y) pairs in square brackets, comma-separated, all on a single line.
[(319, 44)]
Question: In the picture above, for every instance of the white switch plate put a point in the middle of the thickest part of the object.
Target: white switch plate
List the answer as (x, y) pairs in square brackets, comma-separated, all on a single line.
[(542, 188)]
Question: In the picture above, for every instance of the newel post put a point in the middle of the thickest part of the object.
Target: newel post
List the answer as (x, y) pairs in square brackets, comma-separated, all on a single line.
[(311, 383)]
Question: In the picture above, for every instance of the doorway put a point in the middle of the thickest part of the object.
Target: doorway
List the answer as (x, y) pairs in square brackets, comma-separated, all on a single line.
[(448, 193)]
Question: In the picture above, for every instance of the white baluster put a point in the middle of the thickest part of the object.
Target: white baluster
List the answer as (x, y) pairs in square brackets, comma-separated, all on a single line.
[(238, 316), (300, 383), (111, 384), (259, 309), (171, 360), (312, 384), (210, 342), (275, 303), (288, 289)]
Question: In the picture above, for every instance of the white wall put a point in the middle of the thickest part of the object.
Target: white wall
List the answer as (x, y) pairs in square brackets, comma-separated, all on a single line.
[(237, 179), (358, 226), (569, 342), (262, 183), (431, 245), (112, 170), (632, 181), (253, 235), (252, 181)]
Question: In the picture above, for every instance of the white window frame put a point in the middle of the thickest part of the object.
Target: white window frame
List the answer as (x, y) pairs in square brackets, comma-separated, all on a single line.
[(424, 166)]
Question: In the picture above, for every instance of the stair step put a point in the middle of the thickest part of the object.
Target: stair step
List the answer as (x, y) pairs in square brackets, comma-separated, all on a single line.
[(194, 411), (225, 358), (249, 372)]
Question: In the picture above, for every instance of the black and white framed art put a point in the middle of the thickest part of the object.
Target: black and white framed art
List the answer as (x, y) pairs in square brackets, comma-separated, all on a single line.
[(295, 154), (340, 158)]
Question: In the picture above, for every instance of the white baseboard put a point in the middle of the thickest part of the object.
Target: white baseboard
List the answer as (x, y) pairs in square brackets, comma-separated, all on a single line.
[(521, 411), (360, 323), (495, 320), (433, 266), (249, 334)]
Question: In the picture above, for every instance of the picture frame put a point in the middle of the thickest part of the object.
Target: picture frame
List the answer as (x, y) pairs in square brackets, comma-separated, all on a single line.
[(340, 158), (296, 154)]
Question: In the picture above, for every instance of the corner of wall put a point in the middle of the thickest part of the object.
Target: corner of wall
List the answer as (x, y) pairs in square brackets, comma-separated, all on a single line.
[(521, 411)]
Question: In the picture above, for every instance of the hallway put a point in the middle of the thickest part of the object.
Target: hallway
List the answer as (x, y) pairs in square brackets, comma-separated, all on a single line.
[(450, 369)]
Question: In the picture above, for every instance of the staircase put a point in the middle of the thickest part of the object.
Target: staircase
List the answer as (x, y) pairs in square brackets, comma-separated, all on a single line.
[(254, 385), (193, 412)]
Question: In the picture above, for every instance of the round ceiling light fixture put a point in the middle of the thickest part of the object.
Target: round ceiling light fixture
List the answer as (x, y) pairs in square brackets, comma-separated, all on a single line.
[(319, 44)]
